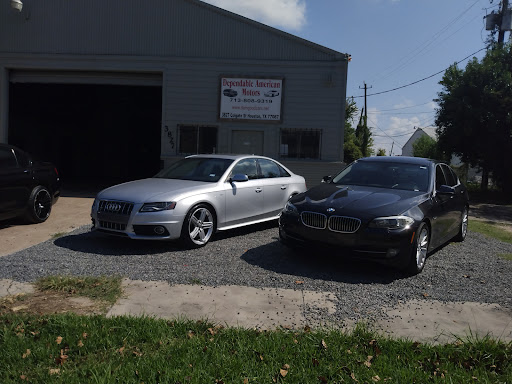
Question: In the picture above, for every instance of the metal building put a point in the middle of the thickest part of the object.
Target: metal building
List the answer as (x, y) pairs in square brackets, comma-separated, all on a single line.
[(116, 89)]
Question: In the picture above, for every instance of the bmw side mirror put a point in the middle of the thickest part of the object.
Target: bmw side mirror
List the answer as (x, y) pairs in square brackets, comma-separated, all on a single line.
[(327, 179), (446, 190), (239, 177)]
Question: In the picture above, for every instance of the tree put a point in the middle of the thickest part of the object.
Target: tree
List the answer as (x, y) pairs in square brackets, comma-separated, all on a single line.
[(364, 137), (381, 152), (350, 148), (425, 146), (474, 118)]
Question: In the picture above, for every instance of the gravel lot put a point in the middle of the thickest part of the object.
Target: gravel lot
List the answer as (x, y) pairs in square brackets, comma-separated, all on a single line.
[(469, 271)]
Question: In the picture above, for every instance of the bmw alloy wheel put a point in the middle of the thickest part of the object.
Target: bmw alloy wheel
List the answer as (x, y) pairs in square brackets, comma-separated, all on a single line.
[(463, 230), (421, 248)]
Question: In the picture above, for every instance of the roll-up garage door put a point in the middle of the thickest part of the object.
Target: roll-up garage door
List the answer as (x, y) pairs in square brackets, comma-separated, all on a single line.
[(86, 77), (95, 127)]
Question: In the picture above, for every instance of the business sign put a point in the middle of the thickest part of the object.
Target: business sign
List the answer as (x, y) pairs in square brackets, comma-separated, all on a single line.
[(250, 99)]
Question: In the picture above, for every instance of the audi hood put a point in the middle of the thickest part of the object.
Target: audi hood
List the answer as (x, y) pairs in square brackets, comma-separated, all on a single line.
[(154, 190)]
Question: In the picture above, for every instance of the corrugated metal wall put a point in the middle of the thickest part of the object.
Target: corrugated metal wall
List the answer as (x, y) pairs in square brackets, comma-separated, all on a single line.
[(184, 28), (309, 101), (187, 44)]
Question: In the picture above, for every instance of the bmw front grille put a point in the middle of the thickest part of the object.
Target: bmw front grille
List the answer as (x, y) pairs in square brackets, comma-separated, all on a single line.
[(340, 224), (344, 224), (314, 220)]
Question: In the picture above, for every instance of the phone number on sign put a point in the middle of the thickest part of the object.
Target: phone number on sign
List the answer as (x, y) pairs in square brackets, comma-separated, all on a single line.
[(260, 101)]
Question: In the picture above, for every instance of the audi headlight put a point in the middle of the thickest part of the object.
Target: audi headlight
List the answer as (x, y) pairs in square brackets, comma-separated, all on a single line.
[(391, 222), (290, 208), (156, 207)]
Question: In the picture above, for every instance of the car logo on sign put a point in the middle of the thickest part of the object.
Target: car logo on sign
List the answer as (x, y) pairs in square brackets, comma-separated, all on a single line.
[(113, 207), (330, 210)]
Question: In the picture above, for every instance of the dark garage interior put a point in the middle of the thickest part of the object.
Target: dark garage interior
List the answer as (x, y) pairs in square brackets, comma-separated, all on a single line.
[(96, 135)]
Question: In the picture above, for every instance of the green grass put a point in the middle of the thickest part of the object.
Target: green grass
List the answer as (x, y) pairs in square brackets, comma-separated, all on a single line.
[(107, 289), (490, 230), (73, 349)]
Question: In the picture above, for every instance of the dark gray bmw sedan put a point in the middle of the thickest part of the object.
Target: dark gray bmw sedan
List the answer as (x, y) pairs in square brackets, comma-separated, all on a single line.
[(393, 210)]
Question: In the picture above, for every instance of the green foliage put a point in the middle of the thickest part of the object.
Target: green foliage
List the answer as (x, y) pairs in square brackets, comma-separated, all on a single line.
[(93, 349), (358, 141), (475, 118), (426, 147), (381, 152)]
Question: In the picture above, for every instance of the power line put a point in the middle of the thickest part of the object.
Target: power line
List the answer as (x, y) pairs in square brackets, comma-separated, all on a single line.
[(411, 106), (376, 126), (399, 113), (419, 81), (417, 51)]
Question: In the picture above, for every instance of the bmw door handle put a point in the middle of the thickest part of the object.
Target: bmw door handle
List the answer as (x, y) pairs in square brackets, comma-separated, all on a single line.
[(258, 190)]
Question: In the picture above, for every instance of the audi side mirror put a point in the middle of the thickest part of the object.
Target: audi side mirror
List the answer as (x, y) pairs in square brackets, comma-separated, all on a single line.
[(239, 178)]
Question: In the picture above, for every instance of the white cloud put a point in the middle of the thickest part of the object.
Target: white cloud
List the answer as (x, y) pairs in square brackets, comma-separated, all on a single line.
[(277, 13)]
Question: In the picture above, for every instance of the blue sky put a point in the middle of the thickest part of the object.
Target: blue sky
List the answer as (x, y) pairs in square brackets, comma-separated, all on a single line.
[(392, 43)]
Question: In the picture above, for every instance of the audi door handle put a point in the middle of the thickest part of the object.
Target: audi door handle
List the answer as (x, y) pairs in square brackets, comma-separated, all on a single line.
[(258, 190), (283, 187)]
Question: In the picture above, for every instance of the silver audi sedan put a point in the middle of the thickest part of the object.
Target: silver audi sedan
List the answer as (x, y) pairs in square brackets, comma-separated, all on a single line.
[(195, 197)]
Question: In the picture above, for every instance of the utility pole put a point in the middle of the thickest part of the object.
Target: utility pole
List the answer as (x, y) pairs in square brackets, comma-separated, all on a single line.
[(504, 9), (365, 106), (362, 131)]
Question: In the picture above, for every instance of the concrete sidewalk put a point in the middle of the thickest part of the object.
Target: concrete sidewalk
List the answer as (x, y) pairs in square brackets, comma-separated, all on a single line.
[(268, 308)]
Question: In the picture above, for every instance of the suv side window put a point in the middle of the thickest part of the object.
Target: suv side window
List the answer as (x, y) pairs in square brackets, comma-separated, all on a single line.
[(7, 159)]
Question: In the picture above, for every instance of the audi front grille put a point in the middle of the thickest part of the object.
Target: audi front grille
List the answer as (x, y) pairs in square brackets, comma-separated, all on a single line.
[(344, 224), (113, 226), (115, 207), (314, 220)]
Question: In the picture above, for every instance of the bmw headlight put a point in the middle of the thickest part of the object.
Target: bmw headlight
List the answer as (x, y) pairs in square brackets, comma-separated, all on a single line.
[(391, 222), (290, 208), (156, 207)]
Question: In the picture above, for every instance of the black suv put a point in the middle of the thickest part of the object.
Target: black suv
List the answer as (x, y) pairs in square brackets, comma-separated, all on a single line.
[(27, 188)]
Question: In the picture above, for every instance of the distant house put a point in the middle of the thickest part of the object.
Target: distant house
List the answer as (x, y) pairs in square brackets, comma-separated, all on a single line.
[(467, 173), (407, 149)]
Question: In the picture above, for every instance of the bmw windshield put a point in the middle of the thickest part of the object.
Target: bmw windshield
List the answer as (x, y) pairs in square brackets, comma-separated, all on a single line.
[(196, 169), (411, 177)]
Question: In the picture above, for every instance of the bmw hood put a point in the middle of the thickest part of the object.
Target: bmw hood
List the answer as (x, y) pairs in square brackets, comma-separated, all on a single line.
[(154, 190), (357, 201)]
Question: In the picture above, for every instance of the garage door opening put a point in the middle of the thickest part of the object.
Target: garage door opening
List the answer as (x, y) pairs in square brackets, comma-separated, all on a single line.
[(100, 134)]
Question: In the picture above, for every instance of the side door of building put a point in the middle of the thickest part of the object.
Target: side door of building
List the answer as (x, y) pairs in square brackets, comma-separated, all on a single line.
[(14, 184), (276, 187), (244, 199)]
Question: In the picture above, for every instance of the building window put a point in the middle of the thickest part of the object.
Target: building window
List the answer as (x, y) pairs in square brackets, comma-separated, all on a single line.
[(300, 143), (194, 139)]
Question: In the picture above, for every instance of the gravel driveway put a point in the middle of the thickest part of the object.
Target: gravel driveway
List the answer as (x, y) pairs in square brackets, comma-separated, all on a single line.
[(468, 271)]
